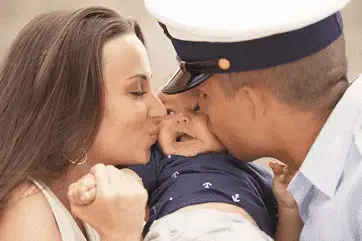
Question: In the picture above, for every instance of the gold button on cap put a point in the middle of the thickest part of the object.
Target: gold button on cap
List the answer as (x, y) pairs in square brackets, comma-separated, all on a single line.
[(224, 64)]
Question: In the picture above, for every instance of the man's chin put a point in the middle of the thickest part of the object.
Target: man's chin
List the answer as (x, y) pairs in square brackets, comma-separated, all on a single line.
[(245, 157)]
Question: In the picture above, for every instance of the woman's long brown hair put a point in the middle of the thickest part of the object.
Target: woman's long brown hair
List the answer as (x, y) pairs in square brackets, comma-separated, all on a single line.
[(51, 93)]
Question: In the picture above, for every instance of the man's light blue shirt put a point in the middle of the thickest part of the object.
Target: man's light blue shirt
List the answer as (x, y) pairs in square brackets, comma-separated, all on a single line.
[(328, 186)]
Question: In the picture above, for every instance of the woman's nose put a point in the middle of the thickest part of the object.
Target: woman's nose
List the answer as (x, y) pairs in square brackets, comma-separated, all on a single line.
[(157, 109)]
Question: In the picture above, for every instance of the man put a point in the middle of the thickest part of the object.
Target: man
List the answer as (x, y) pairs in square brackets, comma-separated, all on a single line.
[(272, 76)]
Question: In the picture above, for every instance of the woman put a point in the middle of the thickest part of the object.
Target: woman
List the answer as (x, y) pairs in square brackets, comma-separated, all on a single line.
[(74, 91)]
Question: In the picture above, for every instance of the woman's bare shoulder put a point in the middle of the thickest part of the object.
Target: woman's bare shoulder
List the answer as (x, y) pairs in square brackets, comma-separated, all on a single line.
[(28, 216)]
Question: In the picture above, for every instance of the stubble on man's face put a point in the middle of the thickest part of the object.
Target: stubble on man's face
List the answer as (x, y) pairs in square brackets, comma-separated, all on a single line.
[(226, 118)]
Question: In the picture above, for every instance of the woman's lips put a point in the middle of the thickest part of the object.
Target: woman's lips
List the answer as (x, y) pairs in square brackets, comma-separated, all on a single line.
[(153, 139), (155, 130)]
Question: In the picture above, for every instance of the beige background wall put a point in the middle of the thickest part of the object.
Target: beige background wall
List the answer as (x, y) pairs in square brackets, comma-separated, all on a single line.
[(14, 14)]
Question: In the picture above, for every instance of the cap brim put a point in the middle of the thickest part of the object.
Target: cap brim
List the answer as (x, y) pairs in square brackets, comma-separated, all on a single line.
[(182, 81)]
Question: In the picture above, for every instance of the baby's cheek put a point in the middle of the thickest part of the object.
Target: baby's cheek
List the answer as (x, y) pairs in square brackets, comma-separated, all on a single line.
[(165, 140), (166, 132)]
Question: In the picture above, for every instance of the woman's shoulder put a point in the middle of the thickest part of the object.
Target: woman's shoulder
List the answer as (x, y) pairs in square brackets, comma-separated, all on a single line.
[(28, 216)]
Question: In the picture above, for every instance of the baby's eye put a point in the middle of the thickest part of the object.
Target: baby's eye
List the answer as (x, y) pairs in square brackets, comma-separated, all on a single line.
[(170, 112), (196, 108)]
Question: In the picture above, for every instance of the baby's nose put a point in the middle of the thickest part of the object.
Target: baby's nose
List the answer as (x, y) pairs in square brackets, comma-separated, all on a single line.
[(181, 118)]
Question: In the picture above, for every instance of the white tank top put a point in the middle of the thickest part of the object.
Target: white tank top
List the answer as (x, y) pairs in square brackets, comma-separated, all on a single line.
[(68, 228)]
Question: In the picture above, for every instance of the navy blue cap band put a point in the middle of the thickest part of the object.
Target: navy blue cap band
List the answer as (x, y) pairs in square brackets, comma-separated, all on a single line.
[(199, 60), (265, 52)]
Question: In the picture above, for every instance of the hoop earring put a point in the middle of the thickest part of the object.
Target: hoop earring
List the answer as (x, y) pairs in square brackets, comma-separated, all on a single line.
[(84, 159)]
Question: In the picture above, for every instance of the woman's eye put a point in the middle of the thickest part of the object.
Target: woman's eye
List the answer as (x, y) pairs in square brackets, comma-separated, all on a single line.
[(196, 108), (138, 93), (170, 112)]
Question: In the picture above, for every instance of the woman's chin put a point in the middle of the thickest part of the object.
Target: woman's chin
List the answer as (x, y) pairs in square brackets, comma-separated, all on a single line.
[(144, 157)]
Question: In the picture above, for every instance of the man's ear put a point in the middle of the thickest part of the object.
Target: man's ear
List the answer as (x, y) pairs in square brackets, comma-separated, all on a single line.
[(254, 99)]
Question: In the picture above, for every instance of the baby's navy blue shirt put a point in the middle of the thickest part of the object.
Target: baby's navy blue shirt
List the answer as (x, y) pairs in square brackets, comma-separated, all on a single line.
[(174, 182)]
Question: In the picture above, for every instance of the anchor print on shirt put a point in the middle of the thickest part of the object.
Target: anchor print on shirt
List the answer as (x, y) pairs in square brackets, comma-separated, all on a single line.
[(207, 185), (235, 198), (175, 174)]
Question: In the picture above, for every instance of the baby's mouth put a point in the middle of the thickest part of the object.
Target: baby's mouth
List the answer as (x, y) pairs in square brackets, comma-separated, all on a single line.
[(181, 136)]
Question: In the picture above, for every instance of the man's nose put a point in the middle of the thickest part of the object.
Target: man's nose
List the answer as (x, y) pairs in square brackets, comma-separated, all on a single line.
[(202, 100)]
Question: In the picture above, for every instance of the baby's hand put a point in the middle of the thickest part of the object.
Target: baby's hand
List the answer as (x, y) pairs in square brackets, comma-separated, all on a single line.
[(83, 192), (282, 178)]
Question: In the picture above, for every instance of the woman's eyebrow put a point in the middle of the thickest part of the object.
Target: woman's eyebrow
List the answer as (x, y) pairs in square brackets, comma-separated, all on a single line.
[(142, 76)]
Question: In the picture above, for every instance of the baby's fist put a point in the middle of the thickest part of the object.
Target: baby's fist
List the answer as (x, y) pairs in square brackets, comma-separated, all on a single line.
[(83, 192)]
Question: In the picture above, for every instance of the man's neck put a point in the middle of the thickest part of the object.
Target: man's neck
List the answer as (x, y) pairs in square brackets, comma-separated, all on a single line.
[(296, 134)]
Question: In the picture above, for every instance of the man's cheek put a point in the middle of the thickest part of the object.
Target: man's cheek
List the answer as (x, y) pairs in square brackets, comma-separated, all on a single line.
[(209, 125)]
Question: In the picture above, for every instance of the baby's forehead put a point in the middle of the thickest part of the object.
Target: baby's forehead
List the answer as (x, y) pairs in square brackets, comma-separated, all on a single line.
[(188, 96)]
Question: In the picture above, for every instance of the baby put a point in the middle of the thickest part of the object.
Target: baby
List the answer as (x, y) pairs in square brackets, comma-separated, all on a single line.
[(202, 193)]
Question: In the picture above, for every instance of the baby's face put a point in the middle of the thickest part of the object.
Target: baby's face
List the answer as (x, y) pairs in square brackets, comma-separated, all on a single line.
[(184, 130)]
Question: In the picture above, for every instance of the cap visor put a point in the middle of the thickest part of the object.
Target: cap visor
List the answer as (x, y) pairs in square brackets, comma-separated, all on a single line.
[(182, 81)]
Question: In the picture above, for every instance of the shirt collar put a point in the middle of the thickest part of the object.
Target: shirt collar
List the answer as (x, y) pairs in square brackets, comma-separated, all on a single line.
[(324, 163)]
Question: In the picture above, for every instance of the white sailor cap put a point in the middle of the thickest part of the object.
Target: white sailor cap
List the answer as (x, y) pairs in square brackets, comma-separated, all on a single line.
[(212, 36)]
